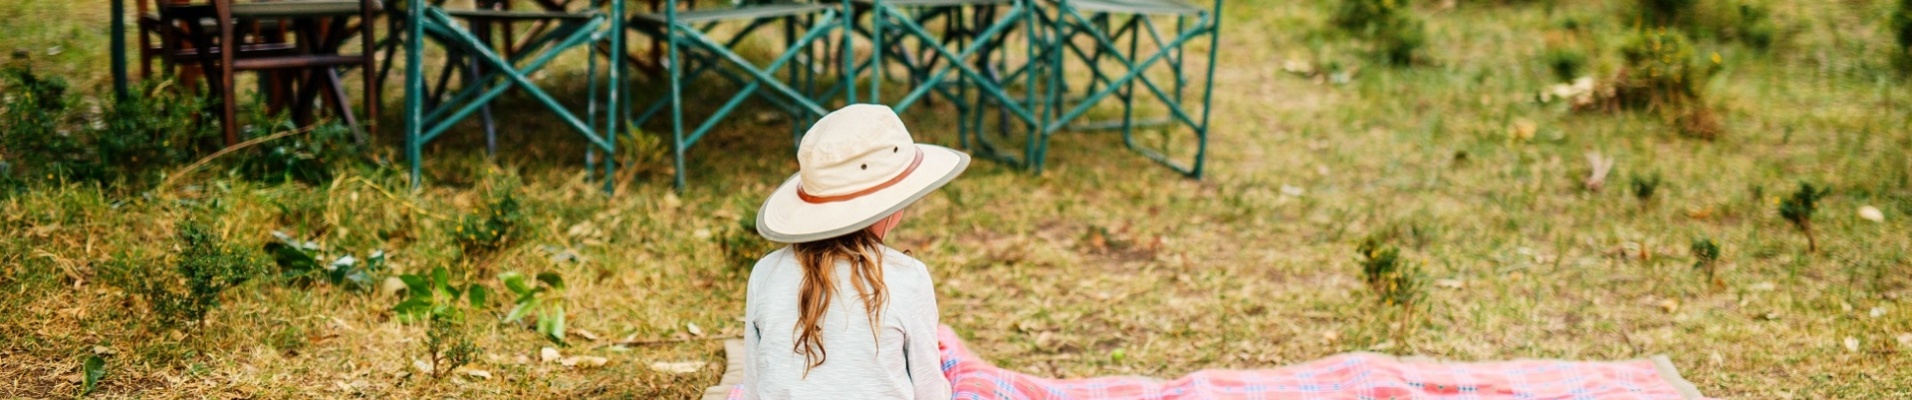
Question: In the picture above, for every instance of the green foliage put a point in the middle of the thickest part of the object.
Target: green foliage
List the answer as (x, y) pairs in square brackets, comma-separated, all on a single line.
[(1645, 187), (1754, 26), (1665, 13), (492, 226), (1799, 207), (1394, 281), (434, 300), (1389, 25), (1663, 73), (95, 368), (741, 244), (1901, 29), (43, 139), (306, 158), (299, 263), (206, 267), (1565, 63), (1705, 256), (545, 297)]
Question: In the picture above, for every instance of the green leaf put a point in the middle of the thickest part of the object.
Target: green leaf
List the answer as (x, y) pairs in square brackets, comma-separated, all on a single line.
[(514, 282), (441, 278), (294, 263), (95, 369), (477, 294), (551, 279), (518, 312), (416, 286), (557, 327)]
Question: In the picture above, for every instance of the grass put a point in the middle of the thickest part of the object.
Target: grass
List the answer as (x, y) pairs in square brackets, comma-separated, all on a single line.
[(1104, 265)]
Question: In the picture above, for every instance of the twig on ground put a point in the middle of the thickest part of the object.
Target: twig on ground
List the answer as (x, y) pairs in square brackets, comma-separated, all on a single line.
[(653, 342), (242, 145)]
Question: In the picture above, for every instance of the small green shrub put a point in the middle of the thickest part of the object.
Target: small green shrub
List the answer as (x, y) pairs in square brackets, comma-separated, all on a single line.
[(494, 224), (1799, 207), (1662, 70), (1706, 257), (1395, 282), (1645, 186), (1663, 13), (205, 269), (1754, 26), (1565, 63), (545, 298), (435, 301), (1389, 25), (44, 139)]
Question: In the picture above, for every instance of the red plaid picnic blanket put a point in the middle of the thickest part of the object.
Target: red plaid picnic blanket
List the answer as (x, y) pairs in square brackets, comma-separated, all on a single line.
[(1343, 376)]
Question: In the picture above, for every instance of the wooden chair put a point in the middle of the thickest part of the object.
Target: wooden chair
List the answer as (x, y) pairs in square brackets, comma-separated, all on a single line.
[(305, 68)]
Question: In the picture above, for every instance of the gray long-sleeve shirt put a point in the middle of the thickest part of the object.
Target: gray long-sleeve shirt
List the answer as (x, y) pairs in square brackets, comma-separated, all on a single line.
[(900, 363)]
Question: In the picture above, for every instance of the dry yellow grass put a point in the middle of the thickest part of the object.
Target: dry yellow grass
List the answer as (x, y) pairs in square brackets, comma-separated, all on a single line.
[(1051, 274)]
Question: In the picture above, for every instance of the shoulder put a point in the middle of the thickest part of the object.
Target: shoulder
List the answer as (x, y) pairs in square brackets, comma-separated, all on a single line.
[(769, 264), (901, 269)]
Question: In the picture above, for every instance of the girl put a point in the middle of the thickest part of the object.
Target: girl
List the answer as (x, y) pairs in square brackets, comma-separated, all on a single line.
[(838, 315)]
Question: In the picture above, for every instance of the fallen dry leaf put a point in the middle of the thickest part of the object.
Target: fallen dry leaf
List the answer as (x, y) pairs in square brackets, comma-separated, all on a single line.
[(694, 330), (1670, 305), (1597, 175), (1852, 344), (586, 361), (549, 355), (1871, 213), (478, 373), (679, 367), (587, 335)]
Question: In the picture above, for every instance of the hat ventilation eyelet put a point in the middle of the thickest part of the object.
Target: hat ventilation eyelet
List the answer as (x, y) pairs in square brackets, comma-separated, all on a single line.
[(866, 166)]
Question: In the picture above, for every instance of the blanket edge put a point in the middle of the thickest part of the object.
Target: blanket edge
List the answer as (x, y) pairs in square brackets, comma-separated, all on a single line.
[(1671, 375)]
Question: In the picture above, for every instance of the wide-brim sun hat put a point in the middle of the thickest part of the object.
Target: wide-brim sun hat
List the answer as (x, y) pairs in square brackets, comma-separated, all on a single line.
[(856, 166)]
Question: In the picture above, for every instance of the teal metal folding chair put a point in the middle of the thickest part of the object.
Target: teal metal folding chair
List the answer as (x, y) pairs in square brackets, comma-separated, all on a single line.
[(489, 74), (692, 53), (959, 50), (1107, 39)]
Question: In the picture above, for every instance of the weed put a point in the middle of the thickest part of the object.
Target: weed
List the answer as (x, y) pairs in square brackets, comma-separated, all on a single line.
[(1395, 282), (1389, 25), (491, 227), (300, 263), (435, 301), (95, 368), (1706, 258), (1662, 70), (142, 135), (1644, 187), (545, 297), (208, 267), (35, 143), (1798, 210)]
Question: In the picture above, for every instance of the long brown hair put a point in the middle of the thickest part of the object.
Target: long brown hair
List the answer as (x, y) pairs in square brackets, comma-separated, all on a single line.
[(863, 250)]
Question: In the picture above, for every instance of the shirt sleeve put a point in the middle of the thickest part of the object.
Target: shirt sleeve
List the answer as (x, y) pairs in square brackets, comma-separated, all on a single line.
[(752, 336), (925, 361)]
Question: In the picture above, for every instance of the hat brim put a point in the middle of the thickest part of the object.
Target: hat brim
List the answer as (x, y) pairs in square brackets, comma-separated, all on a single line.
[(787, 218)]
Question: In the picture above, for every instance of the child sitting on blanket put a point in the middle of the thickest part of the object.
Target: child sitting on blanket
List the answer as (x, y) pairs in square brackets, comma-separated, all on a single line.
[(838, 315)]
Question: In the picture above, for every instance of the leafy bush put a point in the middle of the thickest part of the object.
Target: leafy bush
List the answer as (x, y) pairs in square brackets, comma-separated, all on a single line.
[(1664, 74), (205, 268), (545, 297), (1394, 281), (1798, 210), (1389, 25), (35, 143), (43, 138), (435, 301), (491, 227), (307, 158)]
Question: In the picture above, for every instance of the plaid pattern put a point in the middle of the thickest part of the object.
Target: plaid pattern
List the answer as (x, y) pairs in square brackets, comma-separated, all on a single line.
[(1344, 376)]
